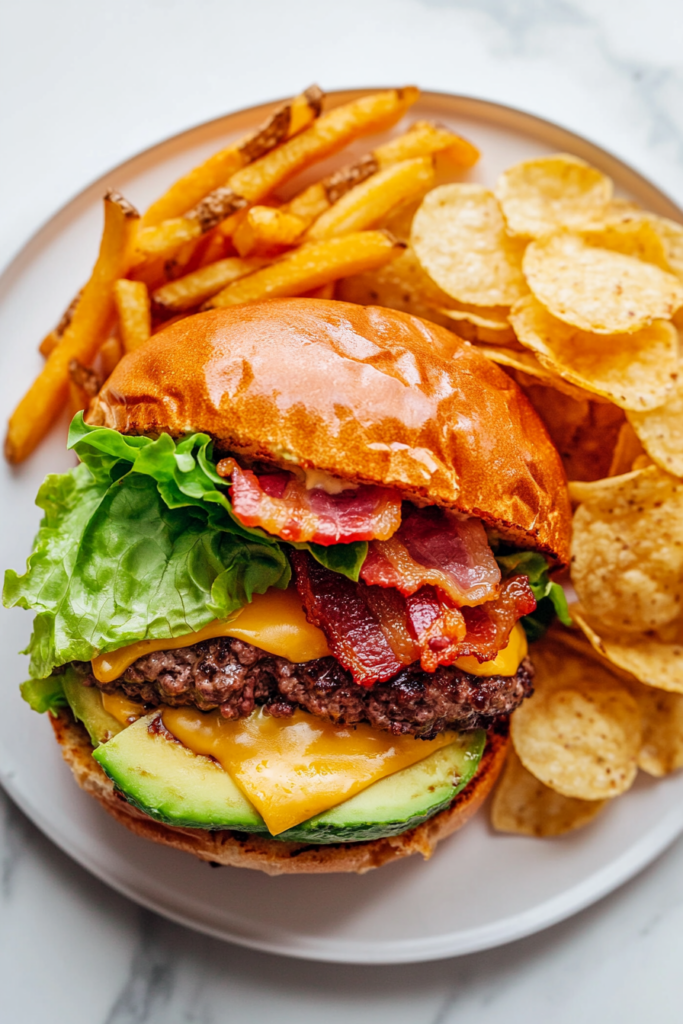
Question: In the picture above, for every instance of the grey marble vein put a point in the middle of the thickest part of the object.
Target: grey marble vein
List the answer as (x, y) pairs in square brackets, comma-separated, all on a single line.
[(13, 842), (534, 28), (149, 987)]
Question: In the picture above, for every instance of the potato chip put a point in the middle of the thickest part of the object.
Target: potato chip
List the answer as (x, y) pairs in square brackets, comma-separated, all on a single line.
[(632, 235), (538, 196), (672, 236), (661, 751), (580, 733), (627, 449), (401, 285), (459, 237), (636, 371), (583, 431), (493, 317), (524, 806), (661, 712), (660, 430), (598, 290), (627, 549), (526, 362), (655, 662)]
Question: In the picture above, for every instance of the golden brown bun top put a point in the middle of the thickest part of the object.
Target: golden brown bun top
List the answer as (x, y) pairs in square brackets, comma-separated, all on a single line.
[(361, 392)]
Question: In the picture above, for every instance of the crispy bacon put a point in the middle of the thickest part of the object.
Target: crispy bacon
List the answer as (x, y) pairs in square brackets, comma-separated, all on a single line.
[(335, 604), (433, 547), (438, 628), (489, 625), (373, 631), (280, 503)]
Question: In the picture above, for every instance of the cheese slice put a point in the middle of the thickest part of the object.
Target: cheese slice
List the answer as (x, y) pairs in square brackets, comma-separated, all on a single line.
[(123, 710), (274, 622), (294, 768), (505, 663)]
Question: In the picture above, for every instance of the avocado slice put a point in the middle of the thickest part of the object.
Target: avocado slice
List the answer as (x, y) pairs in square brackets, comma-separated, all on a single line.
[(168, 782), (86, 705)]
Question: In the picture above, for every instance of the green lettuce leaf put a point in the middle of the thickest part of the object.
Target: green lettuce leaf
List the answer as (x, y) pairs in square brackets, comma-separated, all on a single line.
[(140, 542), (44, 694), (123, 555), (550, 596)]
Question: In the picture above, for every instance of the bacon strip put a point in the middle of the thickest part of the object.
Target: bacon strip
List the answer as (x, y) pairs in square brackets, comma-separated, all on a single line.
[(335, 604), (434, 548), (280, 504), (373, 632), (489, 625)]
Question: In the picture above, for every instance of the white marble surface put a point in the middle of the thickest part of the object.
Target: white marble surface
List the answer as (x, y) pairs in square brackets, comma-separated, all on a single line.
[(85, 84)]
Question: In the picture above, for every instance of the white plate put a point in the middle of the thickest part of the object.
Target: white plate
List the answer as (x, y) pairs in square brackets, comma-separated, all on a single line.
[(480, 889)]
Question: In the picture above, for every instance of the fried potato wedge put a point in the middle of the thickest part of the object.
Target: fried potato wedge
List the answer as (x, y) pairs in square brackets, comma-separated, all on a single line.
[(311, 266), (48, 394), (627, 549), (636, 371), (522, 805), (541, 195)]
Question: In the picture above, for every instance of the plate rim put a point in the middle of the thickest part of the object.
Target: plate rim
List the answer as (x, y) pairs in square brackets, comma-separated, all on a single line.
[(544, 915)]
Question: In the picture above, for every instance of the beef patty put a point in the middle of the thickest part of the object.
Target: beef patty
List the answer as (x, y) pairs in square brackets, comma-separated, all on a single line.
[(235, 676)]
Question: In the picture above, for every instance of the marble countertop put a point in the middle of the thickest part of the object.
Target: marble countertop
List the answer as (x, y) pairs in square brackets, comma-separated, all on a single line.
[(86, 84)]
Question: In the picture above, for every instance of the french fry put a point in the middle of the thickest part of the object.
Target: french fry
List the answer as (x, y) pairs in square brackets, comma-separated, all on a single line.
[(189, 291), (110, 354), (48, 394), (326, 136), (54, 337), (265, 230), (288, 120), (312, 266), (424, 139), (252, 183), (133, 308), (366, 204), (326, 291), (167, 237), (84, 384), (309, 204)]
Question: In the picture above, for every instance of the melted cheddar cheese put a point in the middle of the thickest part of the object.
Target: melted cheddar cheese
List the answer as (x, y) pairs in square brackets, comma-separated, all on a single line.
[(276, 622), (296, 767)]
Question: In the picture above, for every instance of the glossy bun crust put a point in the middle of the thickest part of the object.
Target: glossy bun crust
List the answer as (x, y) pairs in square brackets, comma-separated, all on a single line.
[(274, 857), (361, 392)]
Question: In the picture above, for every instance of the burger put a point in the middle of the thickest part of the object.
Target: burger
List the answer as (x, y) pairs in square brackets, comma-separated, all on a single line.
[(283, 602)]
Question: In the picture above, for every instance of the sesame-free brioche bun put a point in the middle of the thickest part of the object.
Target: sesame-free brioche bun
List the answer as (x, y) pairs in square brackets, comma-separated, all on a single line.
[(239, 849), (361, 392)]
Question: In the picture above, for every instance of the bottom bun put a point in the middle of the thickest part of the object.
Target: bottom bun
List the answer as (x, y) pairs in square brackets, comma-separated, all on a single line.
[(242, 850)]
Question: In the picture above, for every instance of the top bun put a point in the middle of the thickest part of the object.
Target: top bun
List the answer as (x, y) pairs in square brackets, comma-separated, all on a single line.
[(364, 393)]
